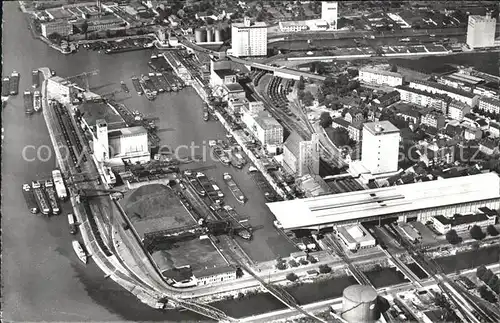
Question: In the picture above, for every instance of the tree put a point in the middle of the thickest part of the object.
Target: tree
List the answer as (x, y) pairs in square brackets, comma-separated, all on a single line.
[(301, 84), (339, 136), (480, 271), (325, 119), (292, 277), (293, 263), (394, 68), (307, 98), (452, 237), (491, 230), (487, 294), (488, 274), (281, 265), (325, 269), (477, 233), (311, 259)]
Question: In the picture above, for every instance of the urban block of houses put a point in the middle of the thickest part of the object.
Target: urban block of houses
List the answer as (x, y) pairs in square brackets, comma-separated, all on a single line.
[(468, 98), (424, 98), (494, 129), (489, 105), (380, 77)]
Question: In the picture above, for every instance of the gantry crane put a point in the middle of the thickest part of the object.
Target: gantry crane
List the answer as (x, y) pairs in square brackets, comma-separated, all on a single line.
[(86, 75)]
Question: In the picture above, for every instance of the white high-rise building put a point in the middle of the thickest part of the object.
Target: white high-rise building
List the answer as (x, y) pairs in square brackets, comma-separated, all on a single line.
[(380, 147), (101, 144), (481, 31), (329, 13), (248, 39)]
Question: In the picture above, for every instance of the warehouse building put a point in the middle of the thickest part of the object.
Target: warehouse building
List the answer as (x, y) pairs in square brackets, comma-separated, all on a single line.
[(356, 237), (419, 201)]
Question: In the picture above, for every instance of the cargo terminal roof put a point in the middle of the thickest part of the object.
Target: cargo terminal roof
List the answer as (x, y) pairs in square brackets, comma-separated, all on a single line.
[(328, 209)]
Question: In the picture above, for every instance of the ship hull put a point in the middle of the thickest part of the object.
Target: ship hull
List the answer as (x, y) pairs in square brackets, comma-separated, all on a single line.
[(80, 253)]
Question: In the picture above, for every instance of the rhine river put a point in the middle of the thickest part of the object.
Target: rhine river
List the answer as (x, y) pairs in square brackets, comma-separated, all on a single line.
[(41, 278)]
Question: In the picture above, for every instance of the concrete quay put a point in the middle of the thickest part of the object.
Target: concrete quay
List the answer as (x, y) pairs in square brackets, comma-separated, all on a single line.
[(109, 265)]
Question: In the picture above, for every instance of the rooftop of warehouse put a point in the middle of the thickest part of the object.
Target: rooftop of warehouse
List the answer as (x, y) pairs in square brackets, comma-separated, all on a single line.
[(462, 219), (349, 206), (93, 111)]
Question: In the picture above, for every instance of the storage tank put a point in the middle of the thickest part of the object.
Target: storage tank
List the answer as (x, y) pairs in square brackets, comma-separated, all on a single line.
[(218, 35), (210, 35), (200, 35), (359, 304)]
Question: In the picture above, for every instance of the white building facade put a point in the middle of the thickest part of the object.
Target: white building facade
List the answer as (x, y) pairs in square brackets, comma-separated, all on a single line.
[(489, 105), (380, 147), (329, 13), (481, 31), (62, 28), (378, 77), (248, 39)]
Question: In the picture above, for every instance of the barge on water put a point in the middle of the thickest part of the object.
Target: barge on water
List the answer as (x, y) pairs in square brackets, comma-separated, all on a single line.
[(28, 102), (156, 82), (124, 87), (221, 155), (35, 76), (195, 184), (51, 194), (30, 199), (235, 190), (137, 85), (240, 229), (163, 82), (73, 228), (80, 253), (14, 83), (40, 198), (37, 101), (205, 113), (5, 86), (61, 191), (262, 184), (171, 80)]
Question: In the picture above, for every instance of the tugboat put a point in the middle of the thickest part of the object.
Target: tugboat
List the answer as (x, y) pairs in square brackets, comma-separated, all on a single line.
[(37, 101), (80, 253), (124, 87), (238, 194)]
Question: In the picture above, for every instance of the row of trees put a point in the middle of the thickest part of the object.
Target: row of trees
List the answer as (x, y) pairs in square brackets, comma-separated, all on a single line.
[(475, 232), (323, 269), (488, 114), (489, 278)]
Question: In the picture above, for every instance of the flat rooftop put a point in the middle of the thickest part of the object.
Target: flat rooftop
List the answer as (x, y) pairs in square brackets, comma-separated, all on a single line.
[(380, 127), (130, 131), (155, 207), (328, 209), (93, 111), (380, 72), (257, 24), (355, 233)]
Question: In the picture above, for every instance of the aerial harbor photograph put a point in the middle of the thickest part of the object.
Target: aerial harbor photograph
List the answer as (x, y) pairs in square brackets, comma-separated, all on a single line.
[(250, 161)]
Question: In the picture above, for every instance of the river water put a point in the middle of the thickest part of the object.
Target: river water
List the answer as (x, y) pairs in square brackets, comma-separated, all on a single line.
[(42, 280)]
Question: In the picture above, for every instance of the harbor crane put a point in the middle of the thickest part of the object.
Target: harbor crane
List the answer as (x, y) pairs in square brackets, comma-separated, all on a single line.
[(85, 77), (90, 193)]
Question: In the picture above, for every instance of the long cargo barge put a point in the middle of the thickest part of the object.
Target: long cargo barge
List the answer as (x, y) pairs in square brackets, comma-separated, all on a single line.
[(241, 230), (237, 160), (205, 113), (40, 198), (163, 82), (156, 82), (137, 85), (14, 83), (149, 84), (30, 199), (195, 184), (5, 86), (61, 191), (221, 155), (235, 190), (262, 184), (205, 182), (28, 102), (35, 76), (171, 80), (51, 194)]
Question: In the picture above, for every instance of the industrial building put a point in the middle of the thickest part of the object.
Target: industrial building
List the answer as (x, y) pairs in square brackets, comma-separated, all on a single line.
[(356, 237), (61, 88), (329, 13), (380, 147), (456, 94), (300, 156), (210, 276), (459, 222), (380, 77), (409, 232), (63, 28), (420, 201), (292, 26), (460, 81), (129, 144), (359, 304), (248, 39), (481, 31), (263, 126)]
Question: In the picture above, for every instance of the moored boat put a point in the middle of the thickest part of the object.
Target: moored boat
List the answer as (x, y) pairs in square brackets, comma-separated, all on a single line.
[(124, 87), (235, 190), (28, 102), (37, 101), (73, 228), (14, 83), (262, 184), (80, 253), (195, 184), (51, 194), (137, 85), (35, 78), (5, 86), (40, 197), (221, 155), (30, 198)]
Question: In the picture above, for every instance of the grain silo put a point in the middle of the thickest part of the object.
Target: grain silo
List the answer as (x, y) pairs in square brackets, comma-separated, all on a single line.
[(218, 35), (200, 35), (210, 35), (359, 304)]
